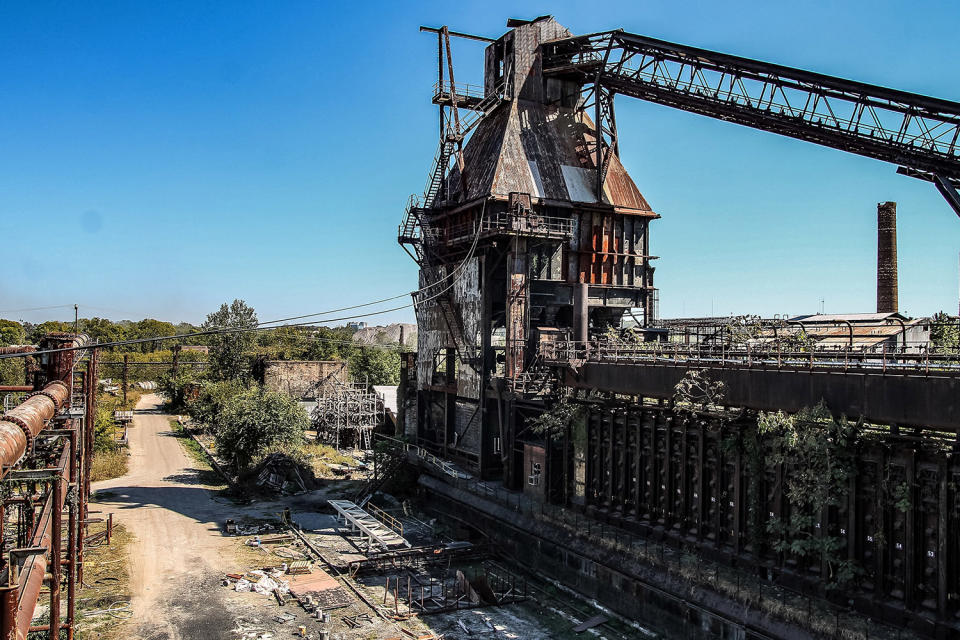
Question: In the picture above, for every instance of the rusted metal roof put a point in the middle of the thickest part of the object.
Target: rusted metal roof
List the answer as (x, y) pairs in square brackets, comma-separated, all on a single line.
[(542, 150), (848, 317)]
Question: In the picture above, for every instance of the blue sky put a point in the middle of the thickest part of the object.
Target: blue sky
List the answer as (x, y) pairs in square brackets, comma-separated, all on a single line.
[(159, 158)]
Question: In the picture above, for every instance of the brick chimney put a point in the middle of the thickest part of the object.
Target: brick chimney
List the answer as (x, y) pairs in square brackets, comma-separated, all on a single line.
[(887, 257)]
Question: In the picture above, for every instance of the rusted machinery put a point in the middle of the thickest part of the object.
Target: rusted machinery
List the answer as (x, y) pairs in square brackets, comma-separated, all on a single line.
[(46, 452)]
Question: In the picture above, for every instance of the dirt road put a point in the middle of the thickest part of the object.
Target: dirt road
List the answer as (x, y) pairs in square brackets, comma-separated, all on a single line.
[(179, 553)]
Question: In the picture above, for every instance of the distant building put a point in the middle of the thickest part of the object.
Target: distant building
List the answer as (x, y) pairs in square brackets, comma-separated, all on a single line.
[(356, 326), (871, 332), (195, 347)]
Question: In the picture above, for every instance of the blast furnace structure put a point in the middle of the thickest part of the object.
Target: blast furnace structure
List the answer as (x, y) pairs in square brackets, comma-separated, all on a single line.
[(527, 231)]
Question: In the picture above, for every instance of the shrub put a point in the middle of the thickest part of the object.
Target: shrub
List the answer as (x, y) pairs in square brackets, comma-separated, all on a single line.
[(255, 421), (207, 408)]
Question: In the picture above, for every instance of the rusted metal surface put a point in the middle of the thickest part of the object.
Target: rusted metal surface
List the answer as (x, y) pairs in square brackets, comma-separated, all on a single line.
[(24, 422), (917, 132), (26, 348), (59, 364), (31, 575), (40, 491), (539, 149)]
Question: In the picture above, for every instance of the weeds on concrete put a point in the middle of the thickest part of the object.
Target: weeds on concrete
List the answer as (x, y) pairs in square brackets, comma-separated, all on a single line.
[(108, 465)]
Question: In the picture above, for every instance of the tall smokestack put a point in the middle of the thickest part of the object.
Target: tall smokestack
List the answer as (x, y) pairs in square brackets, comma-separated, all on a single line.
[(887, 257)]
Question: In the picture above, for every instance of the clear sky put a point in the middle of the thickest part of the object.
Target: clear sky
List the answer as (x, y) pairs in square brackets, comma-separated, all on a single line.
[(159, 158)]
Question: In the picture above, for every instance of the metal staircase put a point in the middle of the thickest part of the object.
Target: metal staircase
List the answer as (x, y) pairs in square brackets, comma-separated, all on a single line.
[(477, 113), (440, 162), (412, 231)]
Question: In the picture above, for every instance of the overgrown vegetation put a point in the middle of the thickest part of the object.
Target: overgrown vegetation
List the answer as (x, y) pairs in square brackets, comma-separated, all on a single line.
[(944, 333), (107, 573), (208, 407), (818, 452), (698, 392), (227, 350), (110, 459), (12, 369), (253, 422), (556, 420), (108, 465)]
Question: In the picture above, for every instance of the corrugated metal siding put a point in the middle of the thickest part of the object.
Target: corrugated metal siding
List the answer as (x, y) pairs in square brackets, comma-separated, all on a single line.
[(607, 248)]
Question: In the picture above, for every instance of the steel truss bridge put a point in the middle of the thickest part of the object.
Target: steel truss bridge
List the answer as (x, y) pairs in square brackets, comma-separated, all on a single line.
[(917, 133)]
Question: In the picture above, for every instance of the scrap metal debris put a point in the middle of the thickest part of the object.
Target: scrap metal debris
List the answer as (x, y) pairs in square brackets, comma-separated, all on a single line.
[(279, 473)]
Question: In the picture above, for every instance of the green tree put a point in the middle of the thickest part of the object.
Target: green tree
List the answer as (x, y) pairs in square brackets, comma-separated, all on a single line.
[(172, 388), (375, 366), (257, 420), (284, 343), (818, 453), (11, 333), (944, 333), (11, 371), (208, 407), (102, 329), (150, 328), (183, 328), (51, 326), (227, 350), (326, 343)]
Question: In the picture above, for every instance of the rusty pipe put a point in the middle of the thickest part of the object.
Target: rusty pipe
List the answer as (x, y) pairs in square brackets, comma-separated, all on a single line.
[(20, 425), (35, 569), (903, 332), (850, 327), (17, 348)]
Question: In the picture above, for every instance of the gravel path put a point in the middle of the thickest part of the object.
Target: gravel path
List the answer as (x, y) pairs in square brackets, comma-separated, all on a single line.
[(179, 552)]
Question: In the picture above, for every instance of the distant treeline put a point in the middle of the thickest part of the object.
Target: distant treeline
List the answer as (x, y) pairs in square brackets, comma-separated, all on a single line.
[(282, 343)]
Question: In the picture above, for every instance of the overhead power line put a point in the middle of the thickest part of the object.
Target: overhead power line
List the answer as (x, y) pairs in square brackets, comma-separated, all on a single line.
[(454, 276)]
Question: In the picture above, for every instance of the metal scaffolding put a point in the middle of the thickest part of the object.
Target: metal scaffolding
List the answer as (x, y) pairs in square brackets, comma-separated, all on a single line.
[(346, 414)]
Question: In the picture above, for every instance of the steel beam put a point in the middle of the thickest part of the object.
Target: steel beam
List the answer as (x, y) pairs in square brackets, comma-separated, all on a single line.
[(917, 131)]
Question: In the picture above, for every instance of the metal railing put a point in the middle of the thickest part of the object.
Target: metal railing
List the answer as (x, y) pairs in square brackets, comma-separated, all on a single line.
[(392, 523), (464, 90), (425, 456), (510, 223), (888, 360)]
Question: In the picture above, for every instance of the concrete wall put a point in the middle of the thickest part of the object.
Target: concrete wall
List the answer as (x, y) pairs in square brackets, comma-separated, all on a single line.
[(888, 398), (301, 378)]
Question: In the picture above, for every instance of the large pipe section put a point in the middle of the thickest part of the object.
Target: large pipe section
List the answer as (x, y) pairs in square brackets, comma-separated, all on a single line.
[(62, 346), (20, 425), (887, 257), (26, 591), (23, 348)]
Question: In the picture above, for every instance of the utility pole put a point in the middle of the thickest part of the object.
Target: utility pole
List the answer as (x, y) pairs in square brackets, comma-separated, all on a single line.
[(76, 319), (176, 365), (126, 369)]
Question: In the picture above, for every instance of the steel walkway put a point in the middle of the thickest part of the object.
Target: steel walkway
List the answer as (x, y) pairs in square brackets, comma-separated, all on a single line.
[(375, 531)]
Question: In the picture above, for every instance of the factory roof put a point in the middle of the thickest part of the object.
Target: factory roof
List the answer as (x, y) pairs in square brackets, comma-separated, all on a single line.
[(829, 318)]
